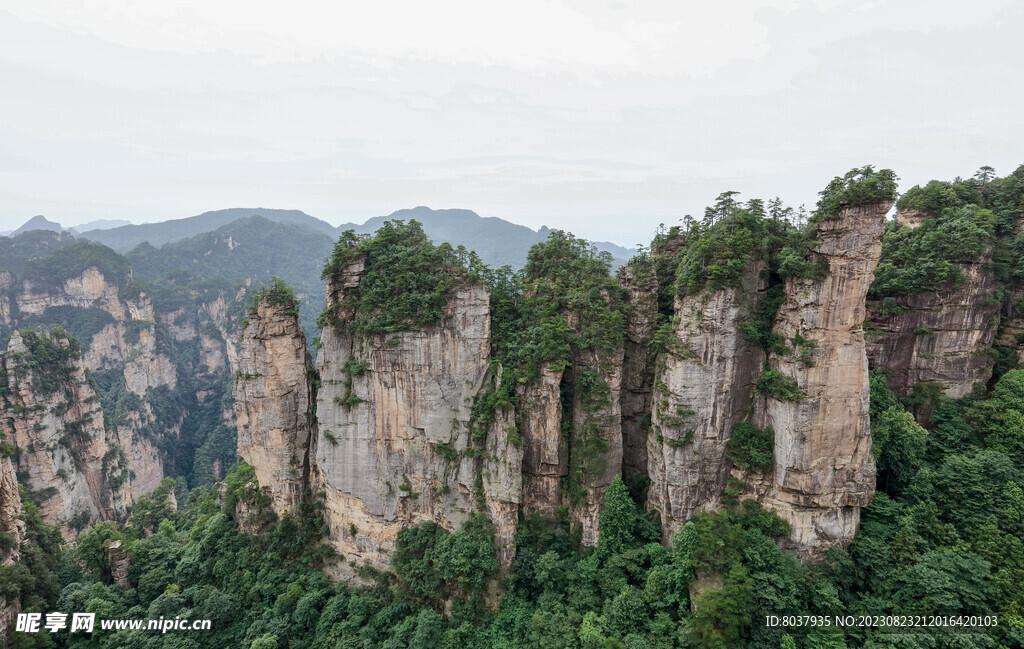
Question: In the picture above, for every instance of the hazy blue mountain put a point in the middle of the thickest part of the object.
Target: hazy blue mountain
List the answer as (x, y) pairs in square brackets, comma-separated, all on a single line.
[(497, 241), (39, 222), (126, 237), (100, 224)]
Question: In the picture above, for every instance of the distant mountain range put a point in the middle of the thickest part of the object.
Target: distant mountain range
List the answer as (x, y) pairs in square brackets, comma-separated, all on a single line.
[(497, 241)]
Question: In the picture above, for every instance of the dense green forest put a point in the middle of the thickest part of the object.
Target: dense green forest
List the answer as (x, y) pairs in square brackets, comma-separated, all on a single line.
[(943, 536)]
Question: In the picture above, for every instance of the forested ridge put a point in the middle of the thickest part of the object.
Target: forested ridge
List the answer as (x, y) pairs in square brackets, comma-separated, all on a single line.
[(944, 535)]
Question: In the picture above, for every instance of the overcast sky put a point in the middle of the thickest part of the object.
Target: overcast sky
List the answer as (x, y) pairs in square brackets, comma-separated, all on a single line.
[(604, 118)]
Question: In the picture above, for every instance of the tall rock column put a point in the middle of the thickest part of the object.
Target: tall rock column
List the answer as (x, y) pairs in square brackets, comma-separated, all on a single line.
[(595, 451), (14, 529), (394, 410), (824, 471), (545, 451), (703, 388), (641, 288), (273, 394)]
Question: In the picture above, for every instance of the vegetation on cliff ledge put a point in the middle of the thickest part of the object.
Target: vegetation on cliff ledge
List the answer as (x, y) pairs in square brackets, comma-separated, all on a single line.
[(405, 284), (860, 186), (972, 220), (70, 261), (279, 294)]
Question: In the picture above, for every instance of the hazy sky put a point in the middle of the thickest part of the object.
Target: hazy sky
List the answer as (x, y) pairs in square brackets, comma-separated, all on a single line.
[(604, 118)]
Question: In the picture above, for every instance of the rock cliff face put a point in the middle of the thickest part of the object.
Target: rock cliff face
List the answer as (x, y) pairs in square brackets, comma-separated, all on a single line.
[(641, 287), (394, 425), (545, 452), (13, 527), (595, 453), (823, 470), (703, 389), (7, 284), (273, 395), (939, 337), (393, 441), (502, 479), (156, 368), (75, 467)]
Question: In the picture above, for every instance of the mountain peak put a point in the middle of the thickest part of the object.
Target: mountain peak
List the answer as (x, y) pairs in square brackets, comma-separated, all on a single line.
[(38, 222)]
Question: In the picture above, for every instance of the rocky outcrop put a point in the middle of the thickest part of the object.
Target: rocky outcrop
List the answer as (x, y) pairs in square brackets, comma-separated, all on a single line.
[(119, 561), (502, 480), (939, 337), (14, 530), (88, 289), (53, 418), (704, 388), (545, 451), (911, 217), (824, 471), (394, 425), (7, 288), (595, 445), (641, 289), (273, 395)]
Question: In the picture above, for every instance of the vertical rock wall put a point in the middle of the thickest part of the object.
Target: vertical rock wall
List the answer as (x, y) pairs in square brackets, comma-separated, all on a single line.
[(394, 425), (595, 452), (545, 450), (641, 287), (273, 395), (940, 337), (502, 479), (13, 527), (54, 421), (703, 389), (824, 471)]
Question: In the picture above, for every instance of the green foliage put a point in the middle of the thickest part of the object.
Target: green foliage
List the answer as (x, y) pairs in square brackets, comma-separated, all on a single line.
[(750, 447), (70, 261), (133, 330), (433, 565), (81, 324), (278, 294), (923, 258), (760, 331), (718, 257), (622, 525), (859, 186), (51, 358), (35, 579), (147, 512), (405, 284), (564, 277), (15, 251), (776, 385)]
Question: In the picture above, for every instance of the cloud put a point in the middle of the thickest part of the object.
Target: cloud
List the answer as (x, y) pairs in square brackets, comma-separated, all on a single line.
[(614, 116)]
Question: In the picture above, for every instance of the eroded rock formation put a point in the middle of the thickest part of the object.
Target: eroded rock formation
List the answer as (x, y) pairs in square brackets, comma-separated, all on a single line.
[(53, 418), (939, 337), (704, 388), (824, 471), (273, 395), (641, 288), (394, 425), (14, 529)]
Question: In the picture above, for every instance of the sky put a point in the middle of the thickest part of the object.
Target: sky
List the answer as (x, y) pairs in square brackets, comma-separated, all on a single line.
[(603, 118)]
